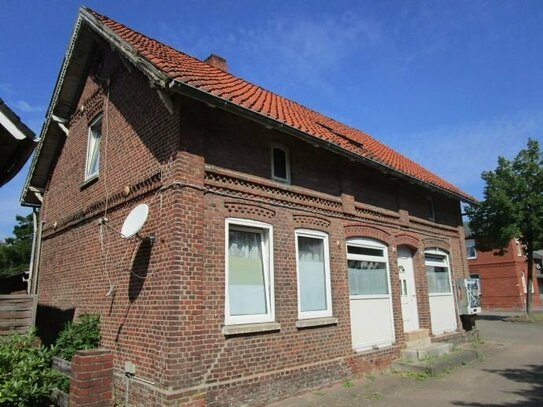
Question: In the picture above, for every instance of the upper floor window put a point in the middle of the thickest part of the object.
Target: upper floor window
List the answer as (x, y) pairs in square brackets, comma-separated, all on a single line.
[(249, 272), (470, 249), (280, 161), (430, 207), (519, 247), (313, 265), (92, 164)]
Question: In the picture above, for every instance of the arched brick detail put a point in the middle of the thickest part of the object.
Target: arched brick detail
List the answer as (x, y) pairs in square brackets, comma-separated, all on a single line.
[(311, 222), (404, 239), (242, 210), (437, 243), (368, 231)]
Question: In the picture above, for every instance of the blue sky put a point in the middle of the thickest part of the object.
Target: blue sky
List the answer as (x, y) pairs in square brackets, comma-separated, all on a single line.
[(450, 84)]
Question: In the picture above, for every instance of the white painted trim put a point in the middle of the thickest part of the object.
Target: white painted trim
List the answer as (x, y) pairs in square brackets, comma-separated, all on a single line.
[(11, 127), (287, 162), (314, 234), (267, 259)]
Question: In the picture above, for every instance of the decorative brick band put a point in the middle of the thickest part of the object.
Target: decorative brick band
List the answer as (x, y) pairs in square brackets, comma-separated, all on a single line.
[(242, 209), (95, 208), (311, 222)]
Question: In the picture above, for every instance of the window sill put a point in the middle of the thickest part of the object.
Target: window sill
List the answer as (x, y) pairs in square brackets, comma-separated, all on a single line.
[(89, 181), (250, 328), (312, 322)]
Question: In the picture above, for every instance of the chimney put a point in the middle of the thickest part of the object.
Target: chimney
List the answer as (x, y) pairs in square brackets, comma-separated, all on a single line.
[(217, 62)]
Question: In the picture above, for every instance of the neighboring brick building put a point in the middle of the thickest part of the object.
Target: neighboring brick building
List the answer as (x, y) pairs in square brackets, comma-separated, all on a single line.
[(290, 251), (503, 276)]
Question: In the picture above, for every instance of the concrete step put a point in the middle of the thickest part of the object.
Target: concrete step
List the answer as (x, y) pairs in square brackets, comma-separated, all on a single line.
[(419, 343), (417, 334), (436, 365), (431, 351)]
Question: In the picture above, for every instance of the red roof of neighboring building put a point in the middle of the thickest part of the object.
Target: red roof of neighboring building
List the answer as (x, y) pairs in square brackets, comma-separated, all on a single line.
[(197, 74)]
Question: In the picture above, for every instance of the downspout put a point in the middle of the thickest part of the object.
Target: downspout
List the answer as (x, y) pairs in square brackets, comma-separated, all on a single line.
[(30, 279), (36, 270)]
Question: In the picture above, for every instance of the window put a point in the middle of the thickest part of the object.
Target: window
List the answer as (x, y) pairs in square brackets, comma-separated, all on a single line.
[(437, 272), (92, 164), (249, 272), (519, 247), (430, 208), (368, 268), (470, 249), (313, 265), (280, 163)]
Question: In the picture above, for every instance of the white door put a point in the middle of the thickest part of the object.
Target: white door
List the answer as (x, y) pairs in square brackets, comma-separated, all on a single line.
[(372, 322), (440, 294), (408, 292)]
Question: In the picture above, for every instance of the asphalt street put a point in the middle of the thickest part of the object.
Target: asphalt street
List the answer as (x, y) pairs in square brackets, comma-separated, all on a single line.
[(509, 373)]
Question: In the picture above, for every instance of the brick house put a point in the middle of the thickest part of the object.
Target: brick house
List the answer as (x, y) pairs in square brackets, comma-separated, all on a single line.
[(503, 276), (290, 251)]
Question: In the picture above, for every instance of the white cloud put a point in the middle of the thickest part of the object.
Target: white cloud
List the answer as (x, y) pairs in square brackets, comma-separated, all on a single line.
[(461, 153), (24, 106)]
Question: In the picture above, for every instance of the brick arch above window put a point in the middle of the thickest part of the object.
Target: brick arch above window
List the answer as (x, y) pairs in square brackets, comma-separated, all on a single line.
[(248, 211), (369, 232), (436, 244), (311, 222), (404, 239)]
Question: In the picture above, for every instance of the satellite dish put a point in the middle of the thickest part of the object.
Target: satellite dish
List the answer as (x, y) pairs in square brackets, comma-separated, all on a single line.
[(134, 221)]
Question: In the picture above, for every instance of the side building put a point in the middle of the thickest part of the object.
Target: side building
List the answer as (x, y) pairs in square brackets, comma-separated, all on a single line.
[(503, 276), (289, 250)]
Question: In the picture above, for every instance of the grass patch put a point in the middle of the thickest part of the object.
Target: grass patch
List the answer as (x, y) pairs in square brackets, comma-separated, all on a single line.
[(533, 317), (419, 376), (347, 384), (373, 395)]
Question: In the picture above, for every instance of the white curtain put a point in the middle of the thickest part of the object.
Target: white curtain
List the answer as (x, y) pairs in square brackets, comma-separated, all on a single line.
[(246, 283), (312, 274), (438, 279), (367, 277)]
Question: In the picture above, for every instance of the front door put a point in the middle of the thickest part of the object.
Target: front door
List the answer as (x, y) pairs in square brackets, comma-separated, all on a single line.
[(408, 292)]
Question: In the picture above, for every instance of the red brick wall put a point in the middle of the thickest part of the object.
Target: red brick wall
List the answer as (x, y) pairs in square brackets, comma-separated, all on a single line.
[(501, 279), (194, 168), (92, 378)]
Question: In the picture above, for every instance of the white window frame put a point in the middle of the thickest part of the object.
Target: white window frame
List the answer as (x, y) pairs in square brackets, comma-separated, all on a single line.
[(314, 234), (474, 249), (370, 244), (275, 146), (97, 121), (267, 260), (447, 264)]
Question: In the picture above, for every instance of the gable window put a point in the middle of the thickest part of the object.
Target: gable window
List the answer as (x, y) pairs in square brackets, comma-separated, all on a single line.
[(470, 249), (431, 212), (437, 272), (313, 266), (92, 164), (249, 272), (280, 163)]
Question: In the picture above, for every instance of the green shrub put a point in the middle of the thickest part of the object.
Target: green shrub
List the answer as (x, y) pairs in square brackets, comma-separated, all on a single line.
[(26, 377), (84, 333)]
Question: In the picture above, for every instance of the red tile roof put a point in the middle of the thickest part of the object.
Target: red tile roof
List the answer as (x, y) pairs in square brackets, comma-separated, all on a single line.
[(191, 71)]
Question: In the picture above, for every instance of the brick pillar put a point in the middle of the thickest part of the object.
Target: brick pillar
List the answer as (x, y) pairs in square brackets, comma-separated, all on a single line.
[(92, 376)]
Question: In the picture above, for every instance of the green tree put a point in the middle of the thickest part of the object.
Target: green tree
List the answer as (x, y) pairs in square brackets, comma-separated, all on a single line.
[(512, 207), (15, 251)]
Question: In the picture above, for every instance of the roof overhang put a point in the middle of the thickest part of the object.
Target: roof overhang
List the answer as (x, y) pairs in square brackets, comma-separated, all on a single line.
[(16, 141)]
